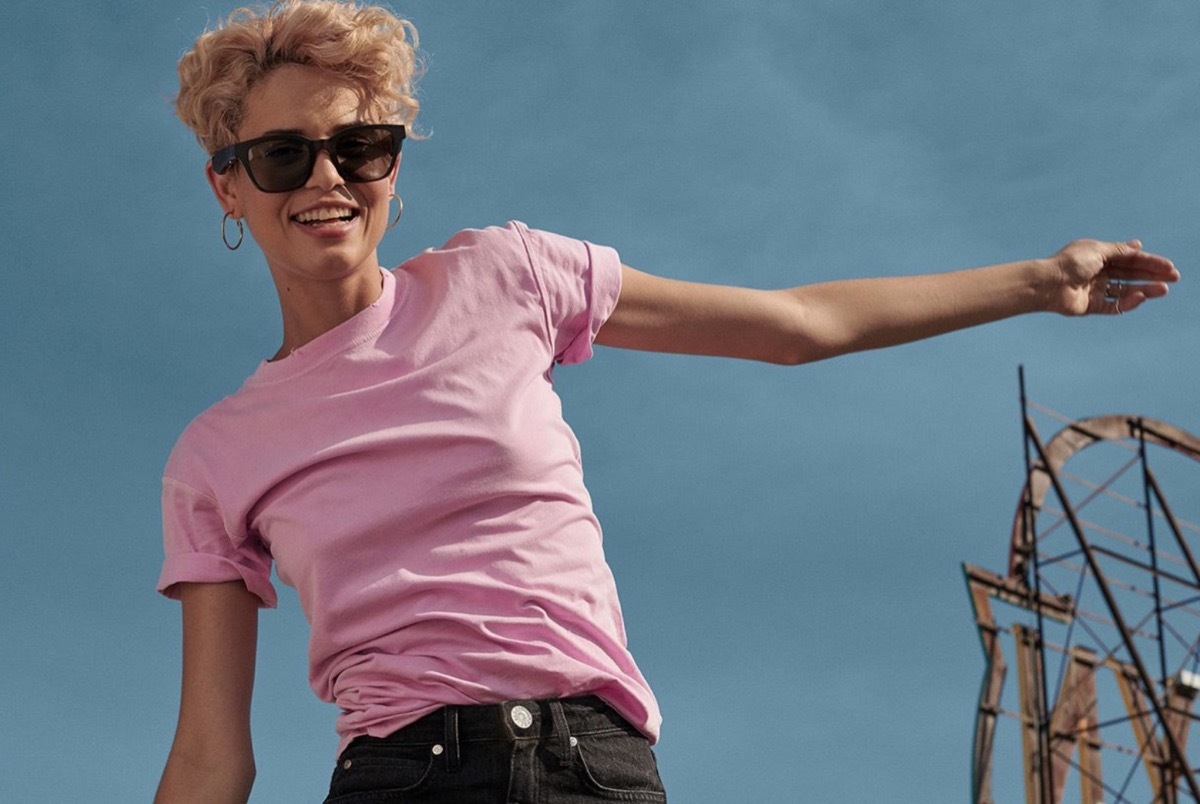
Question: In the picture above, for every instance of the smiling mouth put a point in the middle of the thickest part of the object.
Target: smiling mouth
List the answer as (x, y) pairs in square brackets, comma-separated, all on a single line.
[(317, 217)]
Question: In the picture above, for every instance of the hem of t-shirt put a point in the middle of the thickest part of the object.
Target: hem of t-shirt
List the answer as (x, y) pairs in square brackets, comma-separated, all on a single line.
[(388, 726)]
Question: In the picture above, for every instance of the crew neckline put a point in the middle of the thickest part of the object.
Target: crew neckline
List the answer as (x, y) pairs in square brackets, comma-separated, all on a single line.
[(360, 327)]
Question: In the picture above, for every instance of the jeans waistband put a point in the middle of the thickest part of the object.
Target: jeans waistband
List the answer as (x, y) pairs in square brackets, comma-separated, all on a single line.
[(559, 720)]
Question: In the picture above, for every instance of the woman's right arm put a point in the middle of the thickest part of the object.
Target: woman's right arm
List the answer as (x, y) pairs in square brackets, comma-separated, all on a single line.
[(212, 759)]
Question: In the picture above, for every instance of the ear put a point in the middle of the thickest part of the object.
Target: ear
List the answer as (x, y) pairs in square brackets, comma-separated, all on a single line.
[(224, 187)]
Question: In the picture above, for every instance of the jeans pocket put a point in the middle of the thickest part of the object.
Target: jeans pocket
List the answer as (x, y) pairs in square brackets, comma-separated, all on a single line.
[(360, 775), (620, 767)]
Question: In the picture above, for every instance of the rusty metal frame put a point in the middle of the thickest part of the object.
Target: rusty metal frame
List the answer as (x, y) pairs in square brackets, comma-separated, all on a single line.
[(1160, 712)]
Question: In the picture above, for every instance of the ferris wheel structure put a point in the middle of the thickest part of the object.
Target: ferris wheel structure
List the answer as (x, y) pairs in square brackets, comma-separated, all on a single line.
[(1099, 613)]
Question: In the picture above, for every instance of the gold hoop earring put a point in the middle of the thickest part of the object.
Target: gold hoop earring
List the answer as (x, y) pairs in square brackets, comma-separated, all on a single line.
[(225, 236), (399, 212)]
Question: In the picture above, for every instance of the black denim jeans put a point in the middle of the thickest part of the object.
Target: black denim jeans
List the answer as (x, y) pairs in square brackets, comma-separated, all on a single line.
[(571, 751)]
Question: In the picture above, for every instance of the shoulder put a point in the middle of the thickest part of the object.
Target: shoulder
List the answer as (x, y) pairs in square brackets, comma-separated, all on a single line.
[(479, 262), (514, 239), (205, 439), (472, 244)]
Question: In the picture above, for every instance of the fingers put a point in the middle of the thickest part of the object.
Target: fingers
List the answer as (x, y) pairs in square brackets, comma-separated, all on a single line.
[(1129, 262), (1110, 278)]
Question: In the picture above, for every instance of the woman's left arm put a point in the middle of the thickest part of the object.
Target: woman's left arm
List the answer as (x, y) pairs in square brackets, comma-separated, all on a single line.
[(814, 322)]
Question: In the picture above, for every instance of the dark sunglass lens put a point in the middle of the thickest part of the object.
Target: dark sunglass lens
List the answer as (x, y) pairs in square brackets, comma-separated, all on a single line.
[(365, 154), (278, 165)]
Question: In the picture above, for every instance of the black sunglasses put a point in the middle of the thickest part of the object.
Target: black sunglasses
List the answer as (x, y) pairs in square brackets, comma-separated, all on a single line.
[(279, 163)]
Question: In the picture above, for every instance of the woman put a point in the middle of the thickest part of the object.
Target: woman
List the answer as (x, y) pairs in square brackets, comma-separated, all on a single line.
[(402, 458)]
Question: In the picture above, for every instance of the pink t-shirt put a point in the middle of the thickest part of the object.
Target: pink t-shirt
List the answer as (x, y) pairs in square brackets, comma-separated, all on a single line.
[(411, 475)]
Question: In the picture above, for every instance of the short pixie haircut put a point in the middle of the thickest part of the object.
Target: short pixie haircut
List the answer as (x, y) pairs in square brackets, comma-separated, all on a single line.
[(366, 44)]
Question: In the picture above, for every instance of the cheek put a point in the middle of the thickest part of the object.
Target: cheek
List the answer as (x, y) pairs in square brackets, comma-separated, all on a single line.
[(383, 206), (264, 214)]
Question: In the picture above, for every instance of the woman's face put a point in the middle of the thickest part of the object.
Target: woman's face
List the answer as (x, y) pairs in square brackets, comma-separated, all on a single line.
[(301, 247)]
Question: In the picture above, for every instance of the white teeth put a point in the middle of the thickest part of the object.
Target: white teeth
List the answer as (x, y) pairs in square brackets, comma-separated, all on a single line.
[(324, 214)]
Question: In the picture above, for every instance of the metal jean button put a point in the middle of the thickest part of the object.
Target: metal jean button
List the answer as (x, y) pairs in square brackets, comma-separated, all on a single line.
[(521, 717)]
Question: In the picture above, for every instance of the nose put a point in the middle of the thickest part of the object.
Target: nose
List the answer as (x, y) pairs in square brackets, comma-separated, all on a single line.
[(324, 173)]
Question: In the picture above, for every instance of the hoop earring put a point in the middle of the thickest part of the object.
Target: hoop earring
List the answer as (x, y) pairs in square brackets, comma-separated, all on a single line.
[(399, 212), (225, 236)]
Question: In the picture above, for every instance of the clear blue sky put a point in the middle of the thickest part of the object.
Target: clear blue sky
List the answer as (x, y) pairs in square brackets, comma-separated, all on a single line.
[(787, 542)]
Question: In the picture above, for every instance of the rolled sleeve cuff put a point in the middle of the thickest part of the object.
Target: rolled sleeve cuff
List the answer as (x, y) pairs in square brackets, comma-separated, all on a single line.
[(604, 290), (203, 568)]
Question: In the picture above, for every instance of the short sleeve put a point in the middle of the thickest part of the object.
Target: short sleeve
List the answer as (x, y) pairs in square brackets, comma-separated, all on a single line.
[(199, 550), (580, 283)]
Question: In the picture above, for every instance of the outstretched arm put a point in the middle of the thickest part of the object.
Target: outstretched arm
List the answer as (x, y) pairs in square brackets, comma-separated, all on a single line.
[(211, 759), (814, 322)]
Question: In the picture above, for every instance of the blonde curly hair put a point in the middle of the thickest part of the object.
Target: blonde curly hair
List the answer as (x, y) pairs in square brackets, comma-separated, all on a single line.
[(367, 44)]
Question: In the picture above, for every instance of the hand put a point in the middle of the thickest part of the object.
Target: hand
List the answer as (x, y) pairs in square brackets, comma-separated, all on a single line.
[(1095, 277)]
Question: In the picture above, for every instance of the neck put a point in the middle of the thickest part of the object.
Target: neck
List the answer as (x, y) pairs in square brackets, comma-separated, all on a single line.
[(310, 311)]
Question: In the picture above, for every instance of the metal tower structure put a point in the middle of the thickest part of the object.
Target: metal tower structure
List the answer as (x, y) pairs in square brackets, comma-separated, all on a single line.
[(1100, 612)]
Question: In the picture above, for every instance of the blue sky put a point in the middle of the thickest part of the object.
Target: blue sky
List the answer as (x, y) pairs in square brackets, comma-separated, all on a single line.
[(787, 542)]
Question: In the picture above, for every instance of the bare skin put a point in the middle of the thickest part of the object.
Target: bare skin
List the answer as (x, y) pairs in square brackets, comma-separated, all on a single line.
[(212, 759), (816, 322), (326, 274)]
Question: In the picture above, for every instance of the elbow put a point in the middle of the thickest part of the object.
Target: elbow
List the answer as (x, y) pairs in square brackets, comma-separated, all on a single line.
[(788, 357), (190, 777), (798, 349), (798, 334)]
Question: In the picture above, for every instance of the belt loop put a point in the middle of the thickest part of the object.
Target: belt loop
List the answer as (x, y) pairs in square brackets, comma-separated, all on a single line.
[(563, 732), (453, 756)]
